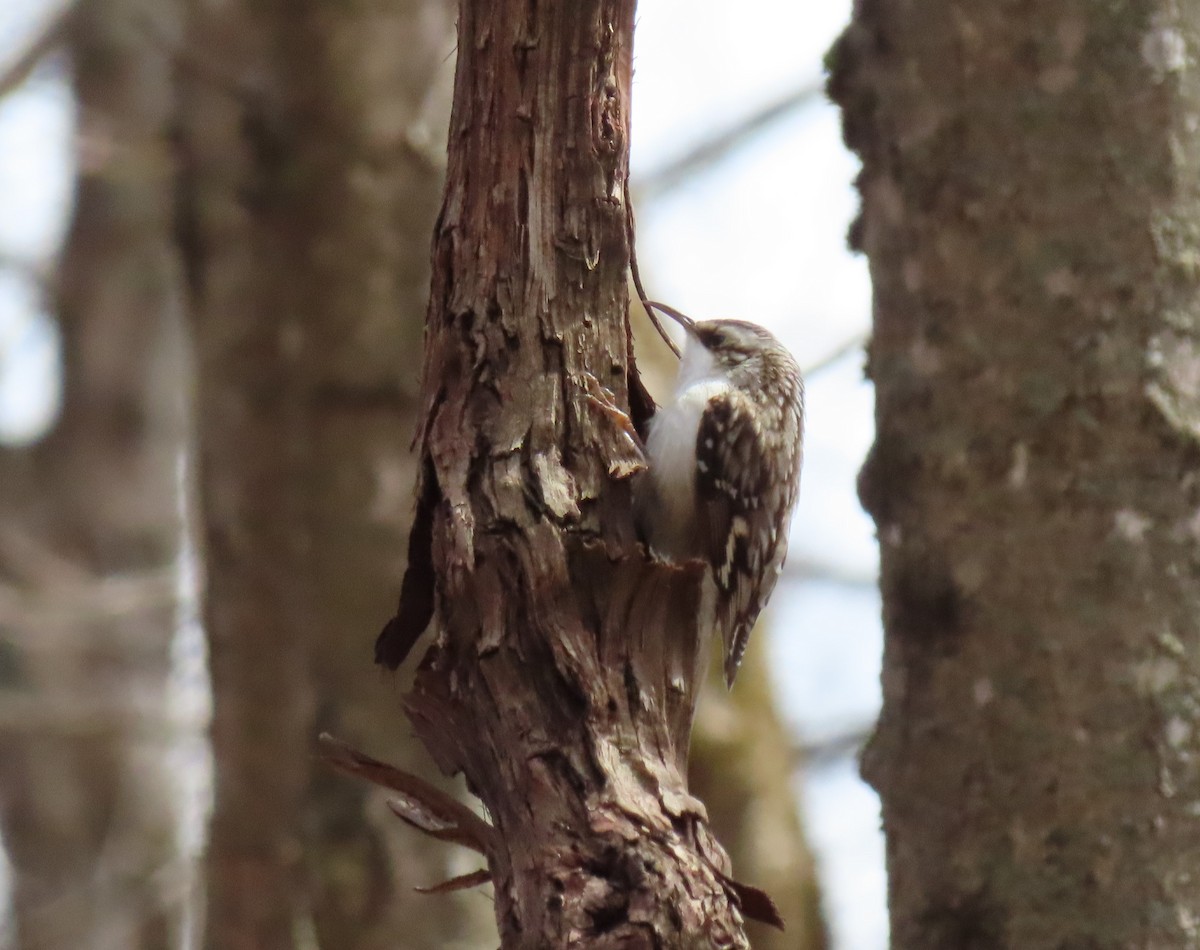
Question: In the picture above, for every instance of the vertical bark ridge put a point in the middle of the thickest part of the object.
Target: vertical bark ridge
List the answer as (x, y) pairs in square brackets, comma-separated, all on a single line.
[(1029, 203), (564, 676)]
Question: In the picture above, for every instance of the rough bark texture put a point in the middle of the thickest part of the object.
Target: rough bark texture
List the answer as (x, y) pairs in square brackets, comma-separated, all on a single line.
[(90, 532), (564, 677), (307, 196), (1031, 188)]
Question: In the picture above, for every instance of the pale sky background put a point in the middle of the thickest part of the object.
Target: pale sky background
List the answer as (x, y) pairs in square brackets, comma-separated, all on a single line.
[(760, 235)]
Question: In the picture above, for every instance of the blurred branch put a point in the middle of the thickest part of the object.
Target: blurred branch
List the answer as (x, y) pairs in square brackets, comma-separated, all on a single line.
[(53, 34), (856, 342), (800, 568), (122, 875), (34, 562), (134, 712), (200, 66), (708, 152), (42, 589), (847, 741), (41, 276), (72, 603)]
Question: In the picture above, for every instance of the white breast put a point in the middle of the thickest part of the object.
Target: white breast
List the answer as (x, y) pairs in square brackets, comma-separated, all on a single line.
[(671, 452)]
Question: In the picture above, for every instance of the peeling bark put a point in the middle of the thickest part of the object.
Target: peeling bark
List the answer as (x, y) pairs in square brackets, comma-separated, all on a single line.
[(1031, 186), (564, 678)]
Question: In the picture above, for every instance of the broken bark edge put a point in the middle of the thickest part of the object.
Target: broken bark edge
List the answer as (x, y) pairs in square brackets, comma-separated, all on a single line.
[(753, 902), (415, 609), (461, 883), (422, 805)]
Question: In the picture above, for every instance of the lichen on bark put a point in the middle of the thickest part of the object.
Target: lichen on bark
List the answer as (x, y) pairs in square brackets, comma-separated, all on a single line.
[(1033, 476)]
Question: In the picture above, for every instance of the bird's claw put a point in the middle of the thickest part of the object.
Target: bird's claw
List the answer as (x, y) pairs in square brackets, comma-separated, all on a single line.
[(603, 400)]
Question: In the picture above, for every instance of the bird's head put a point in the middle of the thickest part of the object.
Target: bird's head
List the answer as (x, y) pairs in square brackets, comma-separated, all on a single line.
[(726, 345)]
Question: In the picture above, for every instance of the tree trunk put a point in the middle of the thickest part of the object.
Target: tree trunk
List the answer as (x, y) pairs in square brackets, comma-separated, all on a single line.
[(374, 121), (308, 196), (243, 234), (564, 677), (1029, 207), (90, 532)]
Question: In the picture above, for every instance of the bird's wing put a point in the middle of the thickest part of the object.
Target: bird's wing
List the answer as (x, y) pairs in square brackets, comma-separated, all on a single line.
[(740, 517)]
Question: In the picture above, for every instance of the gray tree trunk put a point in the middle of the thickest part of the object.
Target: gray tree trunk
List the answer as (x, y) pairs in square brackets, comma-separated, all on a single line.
[(90, 532), (1030, 203), (309, 192)]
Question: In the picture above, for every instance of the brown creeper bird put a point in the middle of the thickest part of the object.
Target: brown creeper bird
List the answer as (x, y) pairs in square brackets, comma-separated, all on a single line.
[(724, 467)]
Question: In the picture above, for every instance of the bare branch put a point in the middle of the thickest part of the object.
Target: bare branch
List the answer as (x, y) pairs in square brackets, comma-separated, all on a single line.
[(856, 342), (201, 66), (707, 153), (839, 744), (55, 611), (128, 711), (635, 275), (42, 276), (13, 75), (800, 568)]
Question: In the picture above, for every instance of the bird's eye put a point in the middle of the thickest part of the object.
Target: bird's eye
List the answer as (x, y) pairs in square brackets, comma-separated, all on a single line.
[(717, 338)]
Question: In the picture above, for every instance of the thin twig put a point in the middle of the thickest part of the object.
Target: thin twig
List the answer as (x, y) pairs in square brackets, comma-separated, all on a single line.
[(41, 276), (32, 560), (53, 34), (631, 233), (195, 63), (711, 150), (856, 342), (845, 742), (28, 609), (800, 568)]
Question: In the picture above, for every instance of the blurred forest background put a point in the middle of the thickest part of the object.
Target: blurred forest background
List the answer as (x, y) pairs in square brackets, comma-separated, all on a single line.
[(214, 233)]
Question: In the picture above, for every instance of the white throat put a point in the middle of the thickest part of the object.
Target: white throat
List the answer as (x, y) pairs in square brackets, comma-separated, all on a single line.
[(695, 366), (671, 449)]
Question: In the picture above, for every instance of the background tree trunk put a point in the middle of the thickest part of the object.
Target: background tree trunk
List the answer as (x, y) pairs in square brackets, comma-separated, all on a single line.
[(376, 83), (743, 767), (90, 533), (564, 678), (309, 193), (1029, 207)]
